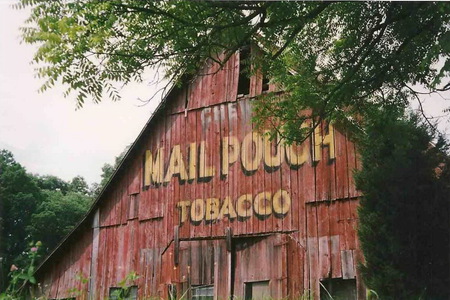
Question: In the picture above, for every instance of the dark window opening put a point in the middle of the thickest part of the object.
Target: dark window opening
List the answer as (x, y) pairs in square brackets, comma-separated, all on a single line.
[(133, 207), (203, 292), (338, 289), (244, 74), (129, 293), (257, 290), (265, 83)]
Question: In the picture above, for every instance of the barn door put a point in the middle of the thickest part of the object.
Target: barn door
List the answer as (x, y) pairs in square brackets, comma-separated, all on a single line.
[(260, 267), (204, 270)]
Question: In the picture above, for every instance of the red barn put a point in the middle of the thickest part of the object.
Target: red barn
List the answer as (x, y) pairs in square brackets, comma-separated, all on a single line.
[(203, 207)]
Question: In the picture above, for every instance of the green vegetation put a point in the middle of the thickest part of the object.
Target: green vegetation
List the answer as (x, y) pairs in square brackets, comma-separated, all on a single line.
[(20, 277), (35, 208), (405, 209)]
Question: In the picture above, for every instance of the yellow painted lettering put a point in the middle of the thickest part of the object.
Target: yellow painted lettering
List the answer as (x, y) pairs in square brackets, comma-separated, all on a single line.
[(205, 170), (197, 210), (322, 140), (183, 206), (192, 161), (251, 151), (230, 152), (212, 209), (244, 206), (272, 160), (227, 209), (154, 170), (281, 202), (147, 167), (176, 165), (262, 205), (296, 155)]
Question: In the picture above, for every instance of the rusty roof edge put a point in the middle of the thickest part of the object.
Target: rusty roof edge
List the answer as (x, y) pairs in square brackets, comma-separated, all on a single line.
[(91, 210)]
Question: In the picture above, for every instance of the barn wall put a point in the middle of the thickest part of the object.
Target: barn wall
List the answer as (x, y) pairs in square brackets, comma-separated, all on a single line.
[(68, 276), (205, 199)]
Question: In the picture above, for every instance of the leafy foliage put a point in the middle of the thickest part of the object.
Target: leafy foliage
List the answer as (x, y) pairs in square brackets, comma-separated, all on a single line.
[(35, 207), (51, 183), (56, 216), (404, 213), (336, 58), (19, 196), (20, 277), (79, 185)]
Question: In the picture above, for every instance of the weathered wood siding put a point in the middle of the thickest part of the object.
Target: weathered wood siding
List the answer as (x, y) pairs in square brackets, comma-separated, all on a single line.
[(200, 170)]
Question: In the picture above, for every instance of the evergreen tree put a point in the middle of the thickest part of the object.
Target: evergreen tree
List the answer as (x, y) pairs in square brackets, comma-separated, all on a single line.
[(404, 211)]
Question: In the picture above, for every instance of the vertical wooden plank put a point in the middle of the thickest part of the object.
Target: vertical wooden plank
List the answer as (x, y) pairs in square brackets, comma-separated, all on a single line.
[(226, 216), (192, 164), (288, 179), (213, 160), (295, 267), (173, 185), (201, 189), (195, 137), (324, 240), (336, 233), (348, 266), (359, 258), (216, 182), (180, 183), (169, 187), (351, 154), (285, 178), (251, 223), (325, 189), (232, 70), (195, 93), (234, 116), (307, 171), (341, 165), (266, 176), (94, 254), (351, 224), (313, 249)]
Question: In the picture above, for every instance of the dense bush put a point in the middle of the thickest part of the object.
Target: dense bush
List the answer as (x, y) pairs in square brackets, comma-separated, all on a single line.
[(404, 212)]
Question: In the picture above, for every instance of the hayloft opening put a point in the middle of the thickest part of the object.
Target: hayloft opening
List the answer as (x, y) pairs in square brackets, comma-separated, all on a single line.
[(244, 74)]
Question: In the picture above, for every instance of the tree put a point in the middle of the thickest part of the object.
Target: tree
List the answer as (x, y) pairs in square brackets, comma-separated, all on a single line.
[(336, 58), (19, 196), (51, 183), (56, 216), (79, 185), (404, 211), (35, 208)]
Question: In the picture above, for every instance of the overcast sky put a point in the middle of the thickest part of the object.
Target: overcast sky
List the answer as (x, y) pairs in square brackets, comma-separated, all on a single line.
[(48, 135), (44, 131)]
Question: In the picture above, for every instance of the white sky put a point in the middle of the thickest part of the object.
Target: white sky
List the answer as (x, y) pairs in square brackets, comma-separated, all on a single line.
[(44, 131), (48, 136)]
